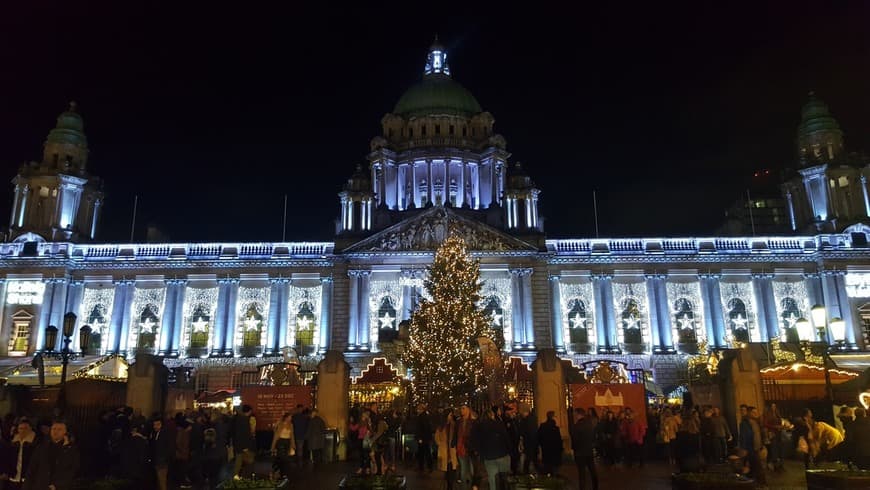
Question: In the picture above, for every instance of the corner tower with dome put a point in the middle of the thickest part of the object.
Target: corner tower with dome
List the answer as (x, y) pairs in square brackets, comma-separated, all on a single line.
[(438, 149)]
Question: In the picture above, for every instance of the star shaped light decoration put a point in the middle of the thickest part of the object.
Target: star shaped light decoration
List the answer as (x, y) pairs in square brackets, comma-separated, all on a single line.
[(686, 323), (199, 325), (791, 320), (739, 321), (251, 323), (496, 318), (303, 322), (147, 327), (387, 320), (577, 321), (633, 321)]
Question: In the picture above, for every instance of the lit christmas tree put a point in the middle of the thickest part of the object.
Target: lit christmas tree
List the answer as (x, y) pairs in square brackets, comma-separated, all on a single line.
[(442, 352)]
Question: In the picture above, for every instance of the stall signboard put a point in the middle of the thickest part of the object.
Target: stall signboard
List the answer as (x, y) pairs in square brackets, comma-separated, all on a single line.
[(615, 397), (271, 402)]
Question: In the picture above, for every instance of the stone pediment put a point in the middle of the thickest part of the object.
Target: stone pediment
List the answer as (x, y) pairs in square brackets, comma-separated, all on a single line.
[(427, 230)]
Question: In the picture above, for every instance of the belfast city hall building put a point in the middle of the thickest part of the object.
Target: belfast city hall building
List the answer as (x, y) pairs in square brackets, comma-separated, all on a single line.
[(438, 168)]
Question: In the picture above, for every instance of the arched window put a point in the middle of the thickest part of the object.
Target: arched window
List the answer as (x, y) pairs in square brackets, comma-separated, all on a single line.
[(738, 320), (199, 329), (789, 314), (148, 325), (99, 333), (684, 320), (577, 322), (305, 324), (631, 322), (253, 327), (495, 313), (387, 313)]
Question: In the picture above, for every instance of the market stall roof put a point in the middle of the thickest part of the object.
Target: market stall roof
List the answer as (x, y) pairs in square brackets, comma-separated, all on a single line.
[(219, 396), (804, 372)]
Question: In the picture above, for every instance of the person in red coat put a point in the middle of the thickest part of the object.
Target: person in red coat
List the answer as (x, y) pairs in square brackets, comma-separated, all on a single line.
[(632, 432)]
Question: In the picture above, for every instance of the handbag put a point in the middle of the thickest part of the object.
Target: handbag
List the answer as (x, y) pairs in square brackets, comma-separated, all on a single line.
[(367, 442), (802, 446)]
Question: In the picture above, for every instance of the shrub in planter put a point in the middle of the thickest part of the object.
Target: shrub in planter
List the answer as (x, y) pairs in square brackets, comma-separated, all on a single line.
[(718, 481), (249, 484), (373, 482), (531, 482), (837, 479)]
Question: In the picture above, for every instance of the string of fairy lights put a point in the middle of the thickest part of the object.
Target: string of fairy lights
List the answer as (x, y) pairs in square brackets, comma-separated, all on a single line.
[(442, 353)]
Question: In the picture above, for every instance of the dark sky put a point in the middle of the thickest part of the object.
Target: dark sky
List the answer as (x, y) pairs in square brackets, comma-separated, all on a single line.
[(211, 114)]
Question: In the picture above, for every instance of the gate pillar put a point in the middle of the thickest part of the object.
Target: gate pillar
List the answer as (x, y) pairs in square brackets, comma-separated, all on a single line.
[(333, 390), (146, 384), (741, 385), (550, 392)]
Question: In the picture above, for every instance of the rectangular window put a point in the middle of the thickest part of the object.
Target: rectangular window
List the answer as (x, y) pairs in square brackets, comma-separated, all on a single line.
[(437, 129), (423, 131), (410, 132), (451, 130), (464, 131)]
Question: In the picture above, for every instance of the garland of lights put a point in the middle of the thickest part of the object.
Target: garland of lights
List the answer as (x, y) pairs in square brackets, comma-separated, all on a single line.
[(442, 352)]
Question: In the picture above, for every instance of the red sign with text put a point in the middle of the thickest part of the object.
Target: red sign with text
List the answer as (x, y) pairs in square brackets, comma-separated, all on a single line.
[(271, 402), (612, 396)]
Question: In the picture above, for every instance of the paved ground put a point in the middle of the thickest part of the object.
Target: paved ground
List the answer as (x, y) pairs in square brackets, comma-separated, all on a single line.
[(653, 477)]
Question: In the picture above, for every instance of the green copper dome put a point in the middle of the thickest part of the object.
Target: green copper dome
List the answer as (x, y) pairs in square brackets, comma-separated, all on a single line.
[(816, 116), (69, 129), (437, 95)]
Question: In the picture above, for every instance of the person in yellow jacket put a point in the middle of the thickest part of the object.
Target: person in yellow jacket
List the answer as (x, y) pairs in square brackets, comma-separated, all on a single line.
[(824, 438)]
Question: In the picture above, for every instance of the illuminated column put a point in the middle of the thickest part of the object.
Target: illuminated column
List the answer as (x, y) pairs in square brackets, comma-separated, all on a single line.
[(607, 289), (517, 304), (58, 300), (716, 310), (363, 333), (16, 202), (407, 280), (790, 205), (866, 195), (283, 309), (415, 185), (601, 312), (556, 313), (664, 313), (353, 314), (44, 313), (654, 321), (219, 322), (120, 291), (273, 343), (178, 325), (22, 210), (167, 321), (846, 312), (528, 323), (325, 312), (126, 319), (98, 203), (708, 305), (460, 185), (768, 321), (74, 292)]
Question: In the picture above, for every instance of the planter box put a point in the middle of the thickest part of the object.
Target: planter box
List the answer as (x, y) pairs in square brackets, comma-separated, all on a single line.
[(719, 481), (373, 482), (248, 484), (528, 482), (837, 479)]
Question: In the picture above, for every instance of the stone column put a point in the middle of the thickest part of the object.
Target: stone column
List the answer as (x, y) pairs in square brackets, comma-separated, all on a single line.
[(126, 318), (517, 316), (225, 343), (864, 192), (167, 321), (353, 331), (273, 346), (44, 315), (556, 313), (612, 339), (664, 314), (407, 277), (58, 308), (219, 332), (74, 292), (654, 322), (846, 312), (528, 323), (283, 312), (175, 349), (603, 311), (550, 390), (716, 310), (118, 309), (364, 333), (325, 311), (759, 288)]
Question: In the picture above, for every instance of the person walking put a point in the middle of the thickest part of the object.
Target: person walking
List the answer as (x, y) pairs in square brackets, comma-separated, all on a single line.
[(491, 441), (722, 433), (550, 440), (583, 443), (632, 432), (244, 444), (423, 432), (314, 437), (160, 443), (462, 442), (55, 462), (858, 440), (528, 441), (751, 442), (283, 446), (134, 454), (300, 429), (445, 435)]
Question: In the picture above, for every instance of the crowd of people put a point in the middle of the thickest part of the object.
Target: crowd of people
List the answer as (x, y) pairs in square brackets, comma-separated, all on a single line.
[(37, 454)]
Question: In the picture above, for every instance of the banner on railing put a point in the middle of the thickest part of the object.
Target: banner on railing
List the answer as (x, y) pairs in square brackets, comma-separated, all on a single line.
[(271, 402), (615, 397)]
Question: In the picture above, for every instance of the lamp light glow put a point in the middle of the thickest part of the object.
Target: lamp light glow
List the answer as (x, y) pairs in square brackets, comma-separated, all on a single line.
[(838, 329), (819, 315), (804, 328)]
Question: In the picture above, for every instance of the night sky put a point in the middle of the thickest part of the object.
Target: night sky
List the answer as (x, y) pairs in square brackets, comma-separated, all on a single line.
[(211, 114)]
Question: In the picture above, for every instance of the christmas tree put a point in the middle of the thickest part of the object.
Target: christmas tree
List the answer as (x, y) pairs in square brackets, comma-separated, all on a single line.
[(442, 352)]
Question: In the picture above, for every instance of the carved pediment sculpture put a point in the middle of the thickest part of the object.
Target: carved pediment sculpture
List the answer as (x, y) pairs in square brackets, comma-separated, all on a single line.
[(426, 231)]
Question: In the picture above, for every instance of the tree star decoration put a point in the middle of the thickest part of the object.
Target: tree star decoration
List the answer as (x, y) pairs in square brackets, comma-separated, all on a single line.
[(251, 323), (147, 327), (387, 320), (632, 321), (199, 325)]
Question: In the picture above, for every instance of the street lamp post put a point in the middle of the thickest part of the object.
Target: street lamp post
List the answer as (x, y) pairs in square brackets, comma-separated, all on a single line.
[(66, 355)]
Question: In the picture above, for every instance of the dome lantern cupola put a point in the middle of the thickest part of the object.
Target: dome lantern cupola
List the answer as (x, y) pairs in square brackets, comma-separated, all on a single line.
[(819, 137), (436, 60)]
